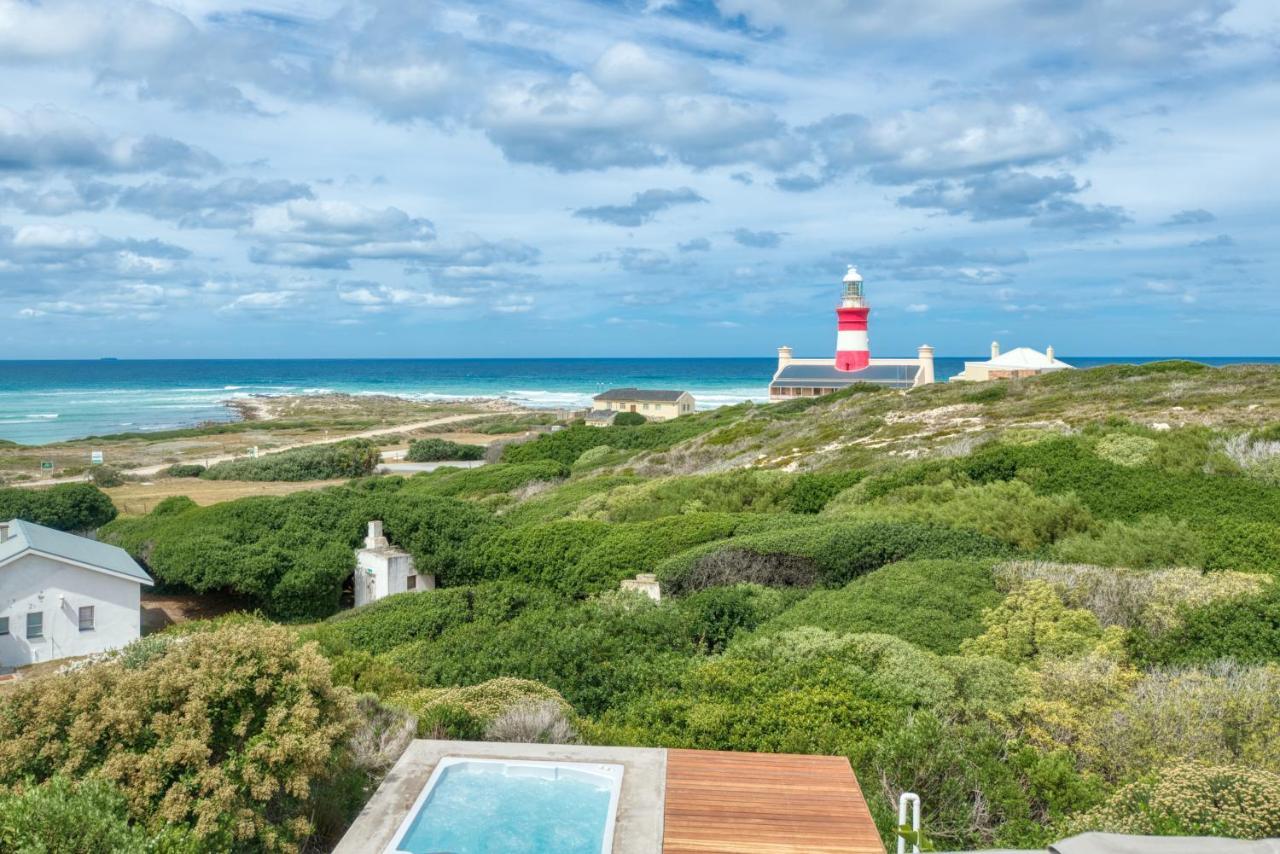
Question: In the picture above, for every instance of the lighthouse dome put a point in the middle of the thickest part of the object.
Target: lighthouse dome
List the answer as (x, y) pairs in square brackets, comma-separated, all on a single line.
[(852, 277)]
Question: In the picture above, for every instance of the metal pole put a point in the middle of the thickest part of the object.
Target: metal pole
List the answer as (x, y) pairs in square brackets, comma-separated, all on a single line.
[(913, 799)]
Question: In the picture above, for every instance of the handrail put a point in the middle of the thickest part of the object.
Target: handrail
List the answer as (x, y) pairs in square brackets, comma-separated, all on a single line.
[(913, 799)]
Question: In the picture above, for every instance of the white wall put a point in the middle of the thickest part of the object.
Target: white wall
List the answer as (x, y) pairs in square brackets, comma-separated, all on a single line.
[(383, 572), (56, 589)]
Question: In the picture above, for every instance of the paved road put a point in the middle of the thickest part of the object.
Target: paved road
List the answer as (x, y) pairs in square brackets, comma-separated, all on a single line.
[(365, 434)]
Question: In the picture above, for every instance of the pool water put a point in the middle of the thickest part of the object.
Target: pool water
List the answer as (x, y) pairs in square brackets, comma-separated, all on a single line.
[(488, 806)]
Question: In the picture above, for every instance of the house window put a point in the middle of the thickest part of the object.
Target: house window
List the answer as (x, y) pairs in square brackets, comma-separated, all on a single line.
[(86, 618), (4, 625), (411, 583), (35, 625)]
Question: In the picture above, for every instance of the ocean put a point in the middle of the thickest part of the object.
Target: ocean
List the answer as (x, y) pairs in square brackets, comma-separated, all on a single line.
[(51, 401)]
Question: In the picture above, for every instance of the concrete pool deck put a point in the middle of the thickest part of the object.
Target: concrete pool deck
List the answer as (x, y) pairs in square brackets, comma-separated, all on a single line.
[(638, 824)]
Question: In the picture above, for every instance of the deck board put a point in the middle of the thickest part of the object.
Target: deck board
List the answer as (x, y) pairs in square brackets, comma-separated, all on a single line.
[(763, 803)]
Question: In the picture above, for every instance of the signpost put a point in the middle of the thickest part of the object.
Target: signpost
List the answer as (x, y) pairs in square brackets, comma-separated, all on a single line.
[(46, 465), (96, 458)]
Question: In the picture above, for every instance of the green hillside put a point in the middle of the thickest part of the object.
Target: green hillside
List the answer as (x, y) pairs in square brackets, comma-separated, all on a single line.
[(1046, 606)]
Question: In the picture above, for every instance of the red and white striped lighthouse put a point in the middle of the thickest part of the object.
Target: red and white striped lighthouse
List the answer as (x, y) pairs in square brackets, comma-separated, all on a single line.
[(853, 350)]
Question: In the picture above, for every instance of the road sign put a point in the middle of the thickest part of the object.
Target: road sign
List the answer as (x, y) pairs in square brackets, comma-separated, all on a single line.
[(46, 465), (96, 458)]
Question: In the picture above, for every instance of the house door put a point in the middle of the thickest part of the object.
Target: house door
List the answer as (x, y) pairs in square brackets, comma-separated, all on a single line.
[(633, 407)]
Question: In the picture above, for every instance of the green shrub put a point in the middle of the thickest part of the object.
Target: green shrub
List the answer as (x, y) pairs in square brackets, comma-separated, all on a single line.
[(628, 419), (811, 491), (289, 555), (184, 470), (349, 458), (1243, 629), (1222, 713), (717, 615), (173, 505), (1126, 450), (105, 477), (432, 450), (595, 653), (563, 499), (1032, 622), (1007, 510), (1192, 799), (227, 732), (60, 816), (397, 620), (1146, 600), (67, 506), (832, 553), (1151, 541), (934, 604), (1243, 545), (481, 704), (485, 480), (743, 490)]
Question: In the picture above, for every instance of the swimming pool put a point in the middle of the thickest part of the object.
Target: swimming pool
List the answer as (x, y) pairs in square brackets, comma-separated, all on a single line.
[(477, 806)]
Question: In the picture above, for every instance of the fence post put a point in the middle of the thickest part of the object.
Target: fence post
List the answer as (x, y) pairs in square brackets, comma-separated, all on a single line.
[(913, 799)]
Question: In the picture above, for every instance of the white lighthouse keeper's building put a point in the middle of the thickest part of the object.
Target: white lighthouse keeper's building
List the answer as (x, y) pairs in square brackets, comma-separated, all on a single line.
[(383, 569)]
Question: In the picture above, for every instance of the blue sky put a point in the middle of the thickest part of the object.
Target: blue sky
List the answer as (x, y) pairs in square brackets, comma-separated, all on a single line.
[(644, 177)]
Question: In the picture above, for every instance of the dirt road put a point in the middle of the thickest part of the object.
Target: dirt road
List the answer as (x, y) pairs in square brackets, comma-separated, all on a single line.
[(145, 471)]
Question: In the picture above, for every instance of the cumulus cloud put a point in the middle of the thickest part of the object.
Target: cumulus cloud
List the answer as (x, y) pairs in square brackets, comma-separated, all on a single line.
[(1196, 216), (332, 234), (697, 244), (46, 139), (1014, 194), (642, 208), (646, 262), (764, 239), (225, 204)]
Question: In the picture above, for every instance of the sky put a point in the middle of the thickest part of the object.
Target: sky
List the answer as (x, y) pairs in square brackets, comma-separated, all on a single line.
[(305, 178)]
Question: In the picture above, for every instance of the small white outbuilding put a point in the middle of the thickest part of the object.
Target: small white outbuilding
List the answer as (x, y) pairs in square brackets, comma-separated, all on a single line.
[(382, 569), (63, 595), (1017, 363)]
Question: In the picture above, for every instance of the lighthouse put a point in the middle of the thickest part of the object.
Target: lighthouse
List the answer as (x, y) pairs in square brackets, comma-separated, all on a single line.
[(853, 350)]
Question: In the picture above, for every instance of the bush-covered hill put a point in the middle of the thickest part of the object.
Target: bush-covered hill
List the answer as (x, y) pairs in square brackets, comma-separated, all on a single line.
[(1046, 606)]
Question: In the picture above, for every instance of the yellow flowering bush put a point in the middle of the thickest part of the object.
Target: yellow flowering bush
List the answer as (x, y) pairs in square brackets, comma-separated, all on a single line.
[(228, 731), (485, 701), (1192, 799)]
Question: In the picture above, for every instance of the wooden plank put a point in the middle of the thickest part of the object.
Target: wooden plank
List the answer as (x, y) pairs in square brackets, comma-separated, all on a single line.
[(764, 803)]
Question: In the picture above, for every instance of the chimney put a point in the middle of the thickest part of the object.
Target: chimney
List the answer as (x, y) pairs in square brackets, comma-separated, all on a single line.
[(925, 377), (1049, 352), (995, 349), (375, 539), (784, 356)]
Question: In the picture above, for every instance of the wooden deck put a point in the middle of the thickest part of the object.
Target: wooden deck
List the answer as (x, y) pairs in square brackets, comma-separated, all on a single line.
[(760, 803)]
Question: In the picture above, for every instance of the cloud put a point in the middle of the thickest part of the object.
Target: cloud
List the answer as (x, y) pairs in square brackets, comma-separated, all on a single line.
[(331, 234), (646, 262), (574, 125), (917, 307), (629, 67), (226, 204), (1196, 216), (944, 140), (59, 200), (1220, 242), (758, 239), (642, 208), (377, 297), (697, 244), (1015, 194), (45, 139)]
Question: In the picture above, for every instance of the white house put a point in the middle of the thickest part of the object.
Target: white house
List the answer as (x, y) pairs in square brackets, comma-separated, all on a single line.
[(382, 569), (62, 595), (1017, 363)]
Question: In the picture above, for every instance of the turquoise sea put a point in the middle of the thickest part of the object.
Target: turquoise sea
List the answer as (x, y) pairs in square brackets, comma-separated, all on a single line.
[(49, 401)]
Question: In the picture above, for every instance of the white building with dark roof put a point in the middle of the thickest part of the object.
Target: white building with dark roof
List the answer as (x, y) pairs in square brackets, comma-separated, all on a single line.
[(852, 363), (62, 595), (653, 404)]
